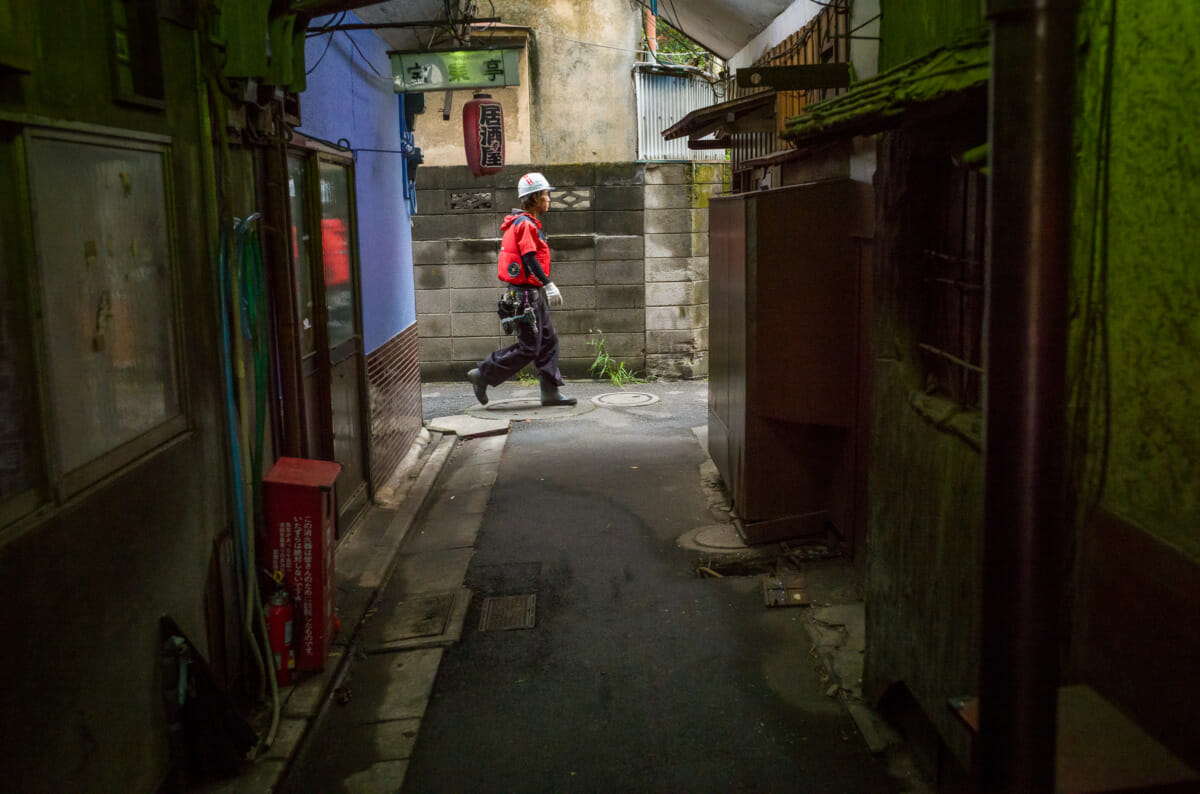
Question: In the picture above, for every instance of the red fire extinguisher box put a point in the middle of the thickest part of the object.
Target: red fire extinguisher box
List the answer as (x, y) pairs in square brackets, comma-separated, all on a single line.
[(298, 506)]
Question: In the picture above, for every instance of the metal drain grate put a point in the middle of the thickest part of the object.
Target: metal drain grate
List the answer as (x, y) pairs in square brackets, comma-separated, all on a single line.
[(503, 613)]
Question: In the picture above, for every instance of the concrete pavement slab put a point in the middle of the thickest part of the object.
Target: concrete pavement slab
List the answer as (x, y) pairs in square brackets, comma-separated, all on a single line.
[(468, 426), (439, 571), (287, 737), (445, 532), (464, 478), (365, 556), (415, 616), (408, 681), (384, 777), (394, 739), (369, 531), (488, 449), (453, 506), (309, 692), (424, 621)]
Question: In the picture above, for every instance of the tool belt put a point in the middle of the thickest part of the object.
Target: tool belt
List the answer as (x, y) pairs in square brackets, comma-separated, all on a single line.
[(520, 295), (516, 306)]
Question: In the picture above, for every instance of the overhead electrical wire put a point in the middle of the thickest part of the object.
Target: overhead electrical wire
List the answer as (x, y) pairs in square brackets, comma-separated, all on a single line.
[(328, 42), (366, 60)]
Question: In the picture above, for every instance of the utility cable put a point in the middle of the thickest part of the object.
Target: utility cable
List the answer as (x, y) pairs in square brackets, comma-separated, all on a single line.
[(328, 42), (255, 332), (366, 60), (229, 290)]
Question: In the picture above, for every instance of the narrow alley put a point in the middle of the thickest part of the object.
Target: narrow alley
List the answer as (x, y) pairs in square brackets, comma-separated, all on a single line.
[(882, 477), (636, 674)]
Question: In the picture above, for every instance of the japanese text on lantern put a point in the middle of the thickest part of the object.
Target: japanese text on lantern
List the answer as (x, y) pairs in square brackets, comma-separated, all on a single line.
[(491, 136)]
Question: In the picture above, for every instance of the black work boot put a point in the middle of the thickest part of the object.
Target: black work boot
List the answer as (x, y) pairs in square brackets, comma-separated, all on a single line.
[(551, 396), (479, 384)]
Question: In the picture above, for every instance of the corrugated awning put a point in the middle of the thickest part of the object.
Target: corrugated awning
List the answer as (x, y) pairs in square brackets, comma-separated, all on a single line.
[(754, 113), (723, 26), (879, 103)]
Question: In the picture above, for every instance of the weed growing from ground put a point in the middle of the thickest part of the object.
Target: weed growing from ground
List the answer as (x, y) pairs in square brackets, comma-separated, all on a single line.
[(605, 366)]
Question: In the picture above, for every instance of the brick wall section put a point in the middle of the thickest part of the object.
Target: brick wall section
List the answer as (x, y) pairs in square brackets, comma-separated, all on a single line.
[(611, 223), (394, 382)]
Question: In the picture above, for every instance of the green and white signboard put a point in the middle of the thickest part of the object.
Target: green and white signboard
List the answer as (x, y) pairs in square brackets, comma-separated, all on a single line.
[(446, 71)]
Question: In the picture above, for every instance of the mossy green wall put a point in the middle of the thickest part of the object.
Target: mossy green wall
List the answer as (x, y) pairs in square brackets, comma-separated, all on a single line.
[(924, 545), (914, 27), (923, 563), (1153, 284)]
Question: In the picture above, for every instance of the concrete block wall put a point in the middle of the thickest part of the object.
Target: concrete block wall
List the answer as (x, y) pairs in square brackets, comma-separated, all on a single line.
[(629, 252), (676, 234)]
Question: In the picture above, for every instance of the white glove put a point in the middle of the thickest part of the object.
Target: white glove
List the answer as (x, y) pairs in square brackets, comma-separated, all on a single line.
[(553, 296)]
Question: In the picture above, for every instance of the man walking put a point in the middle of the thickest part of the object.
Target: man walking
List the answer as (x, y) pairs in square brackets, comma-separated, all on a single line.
[(524, 266)]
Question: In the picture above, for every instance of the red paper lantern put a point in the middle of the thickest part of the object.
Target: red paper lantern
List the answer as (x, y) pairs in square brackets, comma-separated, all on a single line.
[(483, 135)]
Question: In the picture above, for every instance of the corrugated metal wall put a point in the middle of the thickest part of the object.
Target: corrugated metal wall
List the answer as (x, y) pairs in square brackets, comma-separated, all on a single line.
[(664, 99)]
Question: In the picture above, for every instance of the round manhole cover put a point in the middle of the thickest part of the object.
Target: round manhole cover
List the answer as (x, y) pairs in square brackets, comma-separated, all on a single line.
[(522, 408), (714, 538), (624, 399)]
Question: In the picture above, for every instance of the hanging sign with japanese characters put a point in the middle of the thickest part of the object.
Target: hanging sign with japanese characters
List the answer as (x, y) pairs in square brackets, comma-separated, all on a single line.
[(483, 135), (446, 71)]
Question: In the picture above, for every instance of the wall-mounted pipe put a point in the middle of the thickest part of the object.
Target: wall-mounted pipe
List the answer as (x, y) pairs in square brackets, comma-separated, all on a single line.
[(1033, 47)]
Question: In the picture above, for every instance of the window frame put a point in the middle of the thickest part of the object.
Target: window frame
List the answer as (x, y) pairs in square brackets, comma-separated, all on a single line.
[(352, 344), (314, 153), (952, 359), (19, 243), (56, 486)]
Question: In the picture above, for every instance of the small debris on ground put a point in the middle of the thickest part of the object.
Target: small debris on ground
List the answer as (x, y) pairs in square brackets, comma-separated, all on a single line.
[(784, 590)]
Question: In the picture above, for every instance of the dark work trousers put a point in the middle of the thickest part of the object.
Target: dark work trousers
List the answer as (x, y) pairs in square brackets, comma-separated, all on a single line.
[(540, 348)]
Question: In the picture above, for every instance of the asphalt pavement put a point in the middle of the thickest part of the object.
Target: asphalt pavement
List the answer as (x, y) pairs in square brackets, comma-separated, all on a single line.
[(626, 671)]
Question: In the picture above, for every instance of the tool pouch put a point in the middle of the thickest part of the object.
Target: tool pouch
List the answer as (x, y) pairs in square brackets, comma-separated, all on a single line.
[(505, 307)]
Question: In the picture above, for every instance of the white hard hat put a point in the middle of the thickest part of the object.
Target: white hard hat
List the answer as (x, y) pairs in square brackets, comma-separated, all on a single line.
[(531, 183)]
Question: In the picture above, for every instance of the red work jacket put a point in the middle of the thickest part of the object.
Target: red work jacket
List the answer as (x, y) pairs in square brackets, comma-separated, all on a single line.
[(522, 233)]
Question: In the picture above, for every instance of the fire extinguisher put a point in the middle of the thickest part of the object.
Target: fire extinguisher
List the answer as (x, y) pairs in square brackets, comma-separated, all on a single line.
[(279, 630)]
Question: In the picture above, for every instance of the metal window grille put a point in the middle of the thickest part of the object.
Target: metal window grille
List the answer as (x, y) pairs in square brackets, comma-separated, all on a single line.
[(952, 264)]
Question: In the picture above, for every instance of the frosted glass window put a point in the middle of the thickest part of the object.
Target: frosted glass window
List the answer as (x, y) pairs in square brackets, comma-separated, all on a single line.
[(105, 274), (335, 251)]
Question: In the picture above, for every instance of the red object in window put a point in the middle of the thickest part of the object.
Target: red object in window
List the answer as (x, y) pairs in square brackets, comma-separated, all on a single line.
[(483, 135), (298, 505), (335, 250)]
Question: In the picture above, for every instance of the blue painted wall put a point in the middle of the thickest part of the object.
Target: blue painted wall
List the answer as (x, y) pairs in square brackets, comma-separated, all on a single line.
[(349, 95)]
